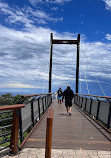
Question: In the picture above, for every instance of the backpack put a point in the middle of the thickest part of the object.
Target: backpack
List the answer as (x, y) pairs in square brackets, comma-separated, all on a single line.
[(59, 92)]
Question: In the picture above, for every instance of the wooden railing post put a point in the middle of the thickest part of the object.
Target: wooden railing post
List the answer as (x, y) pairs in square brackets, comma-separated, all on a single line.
[(49, 134), (14, 132)]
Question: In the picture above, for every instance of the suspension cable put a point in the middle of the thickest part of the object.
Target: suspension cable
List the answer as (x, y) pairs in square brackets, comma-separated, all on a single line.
[(37, 80), (44, 79), (86, 80), (80, 83), (95, 75)]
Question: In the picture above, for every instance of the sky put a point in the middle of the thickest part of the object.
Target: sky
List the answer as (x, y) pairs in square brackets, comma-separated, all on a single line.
[(25, 28)]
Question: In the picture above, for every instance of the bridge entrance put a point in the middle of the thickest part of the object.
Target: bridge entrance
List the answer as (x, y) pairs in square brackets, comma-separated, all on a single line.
[(62, 41)]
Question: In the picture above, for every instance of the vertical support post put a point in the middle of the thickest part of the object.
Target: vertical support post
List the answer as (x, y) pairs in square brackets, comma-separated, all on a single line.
[(85, 104), (39, 107), (43, 104), (77, 64), (20, 126), (50, 66), (14, 133), (109, 115), (51, 98), (32, 111), (90, 106), (47, 100), (49, 134)]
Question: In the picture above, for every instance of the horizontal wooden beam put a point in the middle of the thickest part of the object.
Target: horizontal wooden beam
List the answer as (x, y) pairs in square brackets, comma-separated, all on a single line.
[(12, 107), (56, 41)]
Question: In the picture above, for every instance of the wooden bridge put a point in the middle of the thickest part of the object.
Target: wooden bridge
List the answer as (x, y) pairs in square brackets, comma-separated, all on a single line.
[(86, 133), (69, 132), (78, 132)]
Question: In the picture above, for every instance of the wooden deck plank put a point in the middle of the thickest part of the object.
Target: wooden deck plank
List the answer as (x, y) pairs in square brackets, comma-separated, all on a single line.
[(69, 132)]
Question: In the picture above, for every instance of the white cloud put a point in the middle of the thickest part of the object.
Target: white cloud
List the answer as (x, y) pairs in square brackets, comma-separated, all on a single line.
[(26, 16), (34, 2), (108, 37), (24, 58), (54, 8), (16, 85), (108, 4)]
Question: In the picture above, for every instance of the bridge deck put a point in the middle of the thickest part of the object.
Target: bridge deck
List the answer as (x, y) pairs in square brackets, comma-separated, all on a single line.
[(70, 132)]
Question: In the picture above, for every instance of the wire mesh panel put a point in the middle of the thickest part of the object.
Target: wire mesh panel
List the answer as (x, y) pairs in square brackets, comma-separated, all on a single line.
[(41, 107), (44, 102), (49, 99), (36, 109), (103, 112), (88, 104), (80, 101), (26, 117), (5, 128), (76, 99), (83, 104), (94, 108)]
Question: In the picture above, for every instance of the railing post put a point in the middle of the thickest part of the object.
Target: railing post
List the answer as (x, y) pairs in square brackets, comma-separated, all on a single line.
[(85, 104), (109, 115), (20, 126), (79, 101), (39, 107), (43, 104), (14, 132), (51, 98), (32, 111), (49, 134), (47, 100)]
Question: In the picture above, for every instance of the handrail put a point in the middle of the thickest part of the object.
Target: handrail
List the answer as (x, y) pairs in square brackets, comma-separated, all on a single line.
[(97, 96), (12, 107), (33, 95)]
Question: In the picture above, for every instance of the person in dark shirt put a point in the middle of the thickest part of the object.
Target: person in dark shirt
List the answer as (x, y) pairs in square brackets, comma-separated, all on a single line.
[(68, 94), (60, 95)]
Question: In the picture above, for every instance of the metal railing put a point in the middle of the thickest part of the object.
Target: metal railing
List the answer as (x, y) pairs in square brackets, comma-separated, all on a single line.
[(98, 107), (17, 120), (35, 107)]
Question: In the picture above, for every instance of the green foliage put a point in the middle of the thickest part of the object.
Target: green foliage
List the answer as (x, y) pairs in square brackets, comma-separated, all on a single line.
[(8, 99)]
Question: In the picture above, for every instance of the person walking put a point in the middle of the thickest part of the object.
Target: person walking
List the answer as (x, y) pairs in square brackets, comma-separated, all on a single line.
[(68, 94), (56, 95), (60, 95)]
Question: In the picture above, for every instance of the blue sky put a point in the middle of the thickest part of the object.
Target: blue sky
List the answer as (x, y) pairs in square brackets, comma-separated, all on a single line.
[(25, 27)]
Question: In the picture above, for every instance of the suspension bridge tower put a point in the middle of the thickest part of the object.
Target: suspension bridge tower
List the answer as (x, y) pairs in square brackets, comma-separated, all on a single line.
[(60, 41)]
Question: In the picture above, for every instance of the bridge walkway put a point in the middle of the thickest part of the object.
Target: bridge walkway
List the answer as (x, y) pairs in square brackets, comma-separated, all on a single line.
[(70, 132), (73, 136)]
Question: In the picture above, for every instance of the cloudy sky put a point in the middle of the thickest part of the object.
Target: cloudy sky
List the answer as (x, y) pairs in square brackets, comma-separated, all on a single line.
[(25, 27)]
